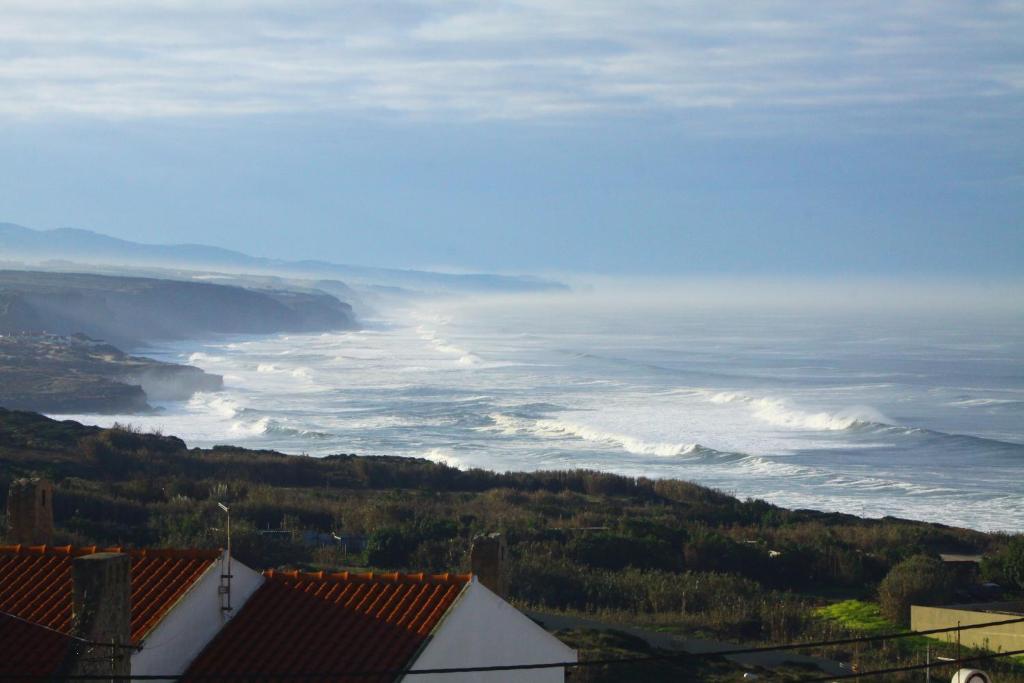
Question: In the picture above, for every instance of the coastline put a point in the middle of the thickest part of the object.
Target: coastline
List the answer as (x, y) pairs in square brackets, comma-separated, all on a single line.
[(398, 388)]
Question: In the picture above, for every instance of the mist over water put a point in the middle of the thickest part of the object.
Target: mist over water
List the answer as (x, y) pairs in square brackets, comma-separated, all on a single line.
[(868, 408)]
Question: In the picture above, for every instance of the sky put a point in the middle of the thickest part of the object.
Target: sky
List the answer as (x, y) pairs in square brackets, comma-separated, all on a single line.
[(646, 137)]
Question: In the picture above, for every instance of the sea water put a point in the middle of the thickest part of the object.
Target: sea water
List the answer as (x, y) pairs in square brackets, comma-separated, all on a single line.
[(867, 412)]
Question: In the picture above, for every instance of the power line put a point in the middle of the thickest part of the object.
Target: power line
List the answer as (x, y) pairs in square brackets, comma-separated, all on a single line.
[(867, 639), (77, 639), (914, 667), (596, 662)]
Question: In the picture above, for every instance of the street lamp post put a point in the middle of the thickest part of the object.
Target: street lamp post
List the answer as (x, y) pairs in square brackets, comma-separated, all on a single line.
[(225, 587)]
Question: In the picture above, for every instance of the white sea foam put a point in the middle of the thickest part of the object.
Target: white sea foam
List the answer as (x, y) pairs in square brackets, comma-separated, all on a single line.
[(444, 457), (780, 413), (465, 358), (634, 395), (219, 405), (254, 428), (507, 424)]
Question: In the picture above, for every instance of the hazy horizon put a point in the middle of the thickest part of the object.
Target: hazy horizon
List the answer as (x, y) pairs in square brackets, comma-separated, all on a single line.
[(786, 138)]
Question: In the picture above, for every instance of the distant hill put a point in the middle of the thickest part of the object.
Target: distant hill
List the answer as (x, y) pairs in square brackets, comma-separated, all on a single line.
[(87, 247), (129, 311)]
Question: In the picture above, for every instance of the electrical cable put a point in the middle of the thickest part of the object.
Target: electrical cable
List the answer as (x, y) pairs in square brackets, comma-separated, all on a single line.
[(84, 641), (596, 662), (914, 667)]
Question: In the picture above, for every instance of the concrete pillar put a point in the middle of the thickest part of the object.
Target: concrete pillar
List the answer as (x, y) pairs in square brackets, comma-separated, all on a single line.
[(101, 614), (30, 512), (487, 562)]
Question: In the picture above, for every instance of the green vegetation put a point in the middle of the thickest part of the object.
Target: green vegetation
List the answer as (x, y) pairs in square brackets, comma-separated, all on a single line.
[(664, 553), (1007, 566), (858, 615), (918, 580)]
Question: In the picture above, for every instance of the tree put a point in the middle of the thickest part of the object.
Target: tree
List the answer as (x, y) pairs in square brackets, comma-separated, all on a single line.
[(920, 580), (1007, 566), (389, 548)]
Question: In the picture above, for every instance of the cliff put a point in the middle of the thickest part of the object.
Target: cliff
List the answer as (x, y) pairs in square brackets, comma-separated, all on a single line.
[(129, 311), (76, 374)]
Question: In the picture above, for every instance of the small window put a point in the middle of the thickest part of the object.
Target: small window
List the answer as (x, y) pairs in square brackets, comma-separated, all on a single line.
[(43, 498)]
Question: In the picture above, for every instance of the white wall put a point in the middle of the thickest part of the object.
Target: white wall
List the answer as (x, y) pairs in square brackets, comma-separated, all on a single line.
[(481, 629), (194, 621)]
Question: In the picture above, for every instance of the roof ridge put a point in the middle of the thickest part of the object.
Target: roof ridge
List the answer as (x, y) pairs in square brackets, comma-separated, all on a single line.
[(368, 577), (184, 553)]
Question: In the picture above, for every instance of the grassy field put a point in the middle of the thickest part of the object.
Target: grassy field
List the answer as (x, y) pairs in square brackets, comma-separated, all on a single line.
[(858, 615)]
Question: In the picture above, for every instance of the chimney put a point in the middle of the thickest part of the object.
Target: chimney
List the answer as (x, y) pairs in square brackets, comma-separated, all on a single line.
[(101, 614), (487, 561), (30, 512)]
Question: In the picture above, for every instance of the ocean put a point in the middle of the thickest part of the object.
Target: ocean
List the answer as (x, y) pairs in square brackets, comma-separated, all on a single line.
[(870, 412)]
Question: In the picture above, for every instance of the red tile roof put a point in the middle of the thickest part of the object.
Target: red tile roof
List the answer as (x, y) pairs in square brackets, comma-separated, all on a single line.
[(27, 649), (331, 624), (35, 582)]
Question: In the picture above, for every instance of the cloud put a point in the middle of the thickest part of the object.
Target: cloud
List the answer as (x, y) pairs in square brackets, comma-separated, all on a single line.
[(512, 59)]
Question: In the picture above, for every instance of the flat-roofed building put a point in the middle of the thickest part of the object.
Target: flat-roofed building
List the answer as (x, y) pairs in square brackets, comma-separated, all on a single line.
[(1003, 638)]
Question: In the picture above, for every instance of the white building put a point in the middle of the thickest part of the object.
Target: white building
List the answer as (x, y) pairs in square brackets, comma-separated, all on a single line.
[(278, 622), (341, 624)]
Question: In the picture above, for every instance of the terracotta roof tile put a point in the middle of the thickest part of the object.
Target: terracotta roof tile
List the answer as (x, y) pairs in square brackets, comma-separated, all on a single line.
[(334, 624), (27, 649), (35, 582)]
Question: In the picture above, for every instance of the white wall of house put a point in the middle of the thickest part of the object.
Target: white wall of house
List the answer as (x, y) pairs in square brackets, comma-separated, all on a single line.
[(481, 629), (194, 621)]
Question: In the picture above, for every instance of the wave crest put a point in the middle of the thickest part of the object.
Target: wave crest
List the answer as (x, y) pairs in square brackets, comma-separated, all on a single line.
[(780, 413), (507, 424)]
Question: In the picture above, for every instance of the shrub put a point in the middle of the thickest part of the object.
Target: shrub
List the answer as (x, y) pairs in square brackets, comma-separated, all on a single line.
[(921, 580), (1007, 566), (614, 551), (389, 548)]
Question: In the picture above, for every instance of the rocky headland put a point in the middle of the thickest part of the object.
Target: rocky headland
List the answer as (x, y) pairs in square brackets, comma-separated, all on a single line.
[(52, 358), (130, 311), (76, 374)]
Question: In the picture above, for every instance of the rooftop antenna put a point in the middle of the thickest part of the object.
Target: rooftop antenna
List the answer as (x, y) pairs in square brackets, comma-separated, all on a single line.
[(225, 578)]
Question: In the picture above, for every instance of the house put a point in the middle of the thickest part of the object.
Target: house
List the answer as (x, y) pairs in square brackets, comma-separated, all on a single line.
[(964, 568), (176, 603), (281, 623), (112, 611), (339, 625)]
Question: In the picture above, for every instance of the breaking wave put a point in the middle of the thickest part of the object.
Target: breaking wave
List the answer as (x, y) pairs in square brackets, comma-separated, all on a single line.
[(267, 426), (507, 424), (465, 358), (217, 404), (444, 457), (778, 412)]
